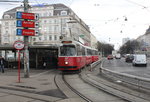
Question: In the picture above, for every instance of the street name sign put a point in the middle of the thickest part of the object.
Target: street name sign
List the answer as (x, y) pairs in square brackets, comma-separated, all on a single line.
[(29, 24), (25, 32), (29, 16)]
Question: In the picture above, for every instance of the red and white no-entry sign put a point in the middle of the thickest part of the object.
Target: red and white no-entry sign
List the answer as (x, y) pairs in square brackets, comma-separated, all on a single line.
[(19, 45)]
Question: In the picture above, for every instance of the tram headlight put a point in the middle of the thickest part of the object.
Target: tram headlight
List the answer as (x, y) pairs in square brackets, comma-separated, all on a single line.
[(66, 62)]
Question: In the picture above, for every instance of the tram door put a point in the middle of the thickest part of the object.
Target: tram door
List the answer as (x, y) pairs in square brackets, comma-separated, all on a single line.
[(47, 59)]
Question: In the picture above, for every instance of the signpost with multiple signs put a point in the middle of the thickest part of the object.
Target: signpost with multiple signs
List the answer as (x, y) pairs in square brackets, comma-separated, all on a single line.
[(23, 22), (27, 26)]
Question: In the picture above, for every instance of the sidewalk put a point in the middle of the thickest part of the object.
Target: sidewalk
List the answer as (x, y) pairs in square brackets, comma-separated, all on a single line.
[(39, 86)]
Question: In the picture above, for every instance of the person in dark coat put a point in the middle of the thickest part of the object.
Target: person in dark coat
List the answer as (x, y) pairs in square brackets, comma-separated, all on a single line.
[(2, 61)]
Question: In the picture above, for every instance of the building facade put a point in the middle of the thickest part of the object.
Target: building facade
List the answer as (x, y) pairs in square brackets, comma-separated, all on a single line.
[(145, 42), (145, 39), (0, 33), (94, 42), (54, 24)]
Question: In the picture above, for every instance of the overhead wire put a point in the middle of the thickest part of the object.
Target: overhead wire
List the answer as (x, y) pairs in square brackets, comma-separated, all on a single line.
[(136, 3)]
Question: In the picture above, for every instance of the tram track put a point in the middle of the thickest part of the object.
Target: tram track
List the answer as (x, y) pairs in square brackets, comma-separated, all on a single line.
[(114, 88), (76, 91), (95, 95)]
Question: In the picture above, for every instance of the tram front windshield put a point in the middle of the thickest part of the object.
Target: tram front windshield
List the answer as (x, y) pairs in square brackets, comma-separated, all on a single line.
[(67, 50)]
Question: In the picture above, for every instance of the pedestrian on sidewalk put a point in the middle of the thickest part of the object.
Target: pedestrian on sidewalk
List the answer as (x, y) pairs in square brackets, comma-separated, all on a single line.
[(2, 61)]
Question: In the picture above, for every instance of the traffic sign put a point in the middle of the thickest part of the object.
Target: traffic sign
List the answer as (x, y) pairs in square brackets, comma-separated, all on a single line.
[(19, 45), (24, 15), (29, 24), (26, 32)]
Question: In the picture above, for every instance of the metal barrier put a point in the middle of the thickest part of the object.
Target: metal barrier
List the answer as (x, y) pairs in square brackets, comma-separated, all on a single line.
[(93, 65), (142, 84)]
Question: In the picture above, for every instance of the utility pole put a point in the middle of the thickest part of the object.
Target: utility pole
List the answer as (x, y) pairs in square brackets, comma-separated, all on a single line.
[(26, 51)]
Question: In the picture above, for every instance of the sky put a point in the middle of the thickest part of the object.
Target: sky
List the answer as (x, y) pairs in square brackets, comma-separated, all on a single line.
[(106, 18)]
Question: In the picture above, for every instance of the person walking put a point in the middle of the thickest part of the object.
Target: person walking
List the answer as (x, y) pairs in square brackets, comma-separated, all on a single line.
[(2, 61)]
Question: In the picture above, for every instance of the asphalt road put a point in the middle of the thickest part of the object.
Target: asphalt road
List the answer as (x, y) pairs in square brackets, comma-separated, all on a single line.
[(121, 66)]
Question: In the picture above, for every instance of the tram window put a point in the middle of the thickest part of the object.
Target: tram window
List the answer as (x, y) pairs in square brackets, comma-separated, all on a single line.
[(96, 52), (89, 52), (67, 50), (93, 52), (83, 51), (79, 50)]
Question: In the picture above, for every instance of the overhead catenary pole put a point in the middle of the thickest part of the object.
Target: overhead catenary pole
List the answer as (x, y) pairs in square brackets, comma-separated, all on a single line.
[(26, 51)]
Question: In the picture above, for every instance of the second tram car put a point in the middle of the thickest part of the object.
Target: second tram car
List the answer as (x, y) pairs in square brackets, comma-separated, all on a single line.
[(74, 56)]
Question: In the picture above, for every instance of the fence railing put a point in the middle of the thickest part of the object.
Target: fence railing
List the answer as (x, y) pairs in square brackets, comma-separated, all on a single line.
[(140, 83)]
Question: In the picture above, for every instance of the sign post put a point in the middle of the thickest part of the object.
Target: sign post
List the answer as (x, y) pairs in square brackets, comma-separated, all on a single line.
[(18, 45), (27, 25)]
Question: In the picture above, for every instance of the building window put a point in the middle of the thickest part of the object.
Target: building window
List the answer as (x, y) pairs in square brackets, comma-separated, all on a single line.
[(40, 38), (63, 13), (6, 28), (40, 15), (50, 21), (6, 23), (45, 21), (46, 29), (50, 29), (45, 14), (55, 37), (55, 21), (55, 28), (63, 30), (34, 39), (50, 37), (64, 21), (6, 17), (50, 14), (45, 37), (6, 39), (6, 32)]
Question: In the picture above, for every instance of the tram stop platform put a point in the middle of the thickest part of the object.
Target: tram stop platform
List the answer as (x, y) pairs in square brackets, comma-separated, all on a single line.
[(39, 87)]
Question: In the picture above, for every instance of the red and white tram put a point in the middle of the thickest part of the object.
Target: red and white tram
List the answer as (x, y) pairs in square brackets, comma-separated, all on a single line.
[(74, 56)]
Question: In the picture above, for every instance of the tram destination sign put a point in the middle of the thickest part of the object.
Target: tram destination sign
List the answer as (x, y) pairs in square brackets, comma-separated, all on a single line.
[(29, 16)]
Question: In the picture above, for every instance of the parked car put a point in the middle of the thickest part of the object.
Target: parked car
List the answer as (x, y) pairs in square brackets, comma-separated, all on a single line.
[(129, 58), (109, 57), (139, 59)]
